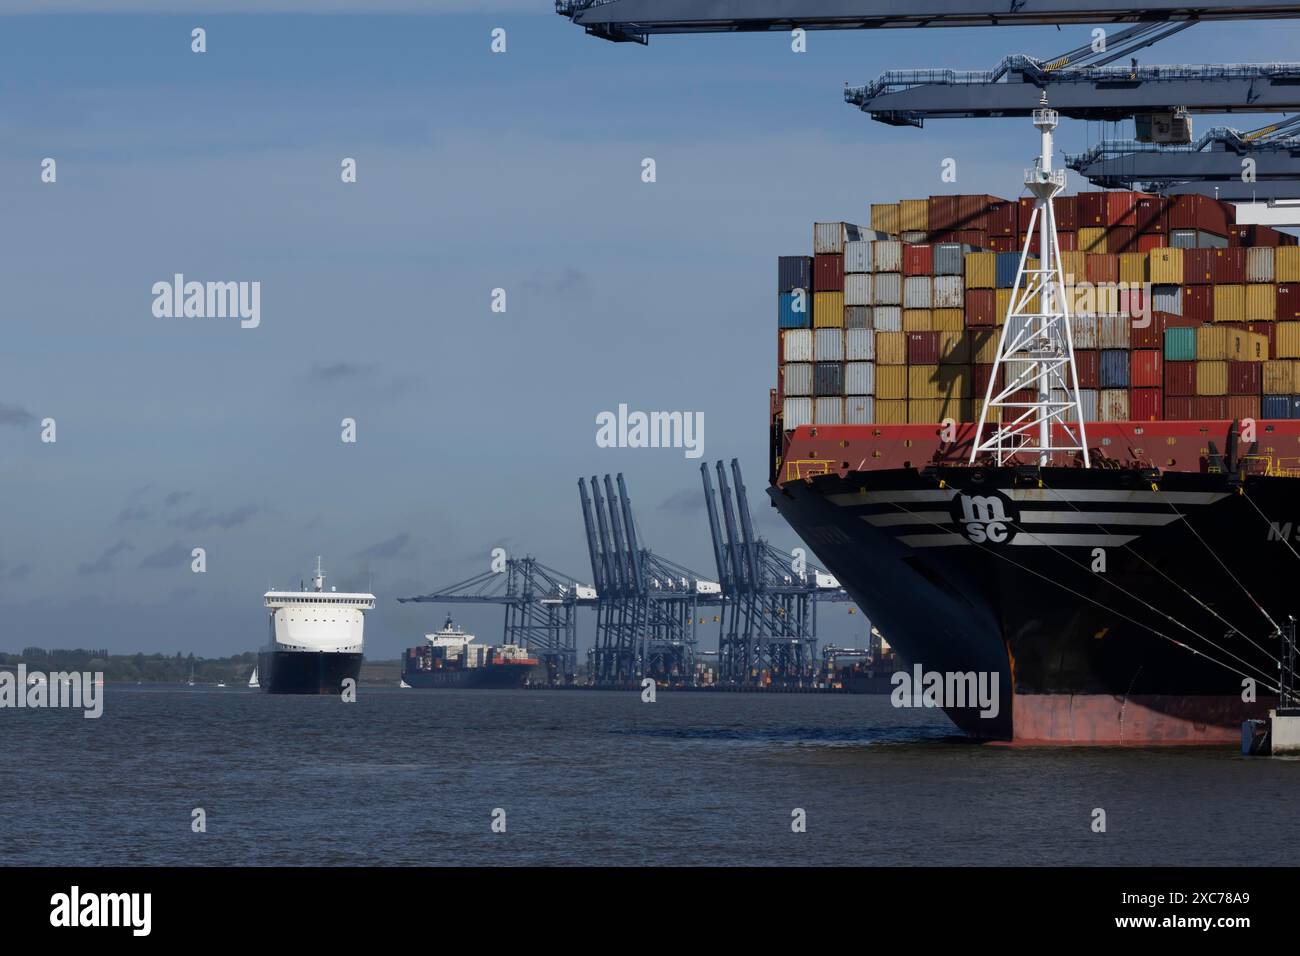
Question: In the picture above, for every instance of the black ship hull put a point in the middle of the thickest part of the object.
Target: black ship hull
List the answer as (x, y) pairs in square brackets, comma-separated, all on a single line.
[(492, 676), (307, 672), (1099, 602)]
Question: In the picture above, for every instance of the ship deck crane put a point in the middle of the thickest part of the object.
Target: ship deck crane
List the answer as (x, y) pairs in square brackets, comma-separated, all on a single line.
[(540, 605), (647, 606), (770, 611)]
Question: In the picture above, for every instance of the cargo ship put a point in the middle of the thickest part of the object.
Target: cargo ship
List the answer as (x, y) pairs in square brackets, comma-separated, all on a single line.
[(449, 658), (1138, 601), (316, 639)]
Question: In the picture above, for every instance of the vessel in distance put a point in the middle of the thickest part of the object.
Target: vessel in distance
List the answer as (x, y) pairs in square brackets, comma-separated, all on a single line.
[(449, 658)]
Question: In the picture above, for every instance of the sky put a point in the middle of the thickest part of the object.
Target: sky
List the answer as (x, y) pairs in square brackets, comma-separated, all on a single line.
[(476, 171)]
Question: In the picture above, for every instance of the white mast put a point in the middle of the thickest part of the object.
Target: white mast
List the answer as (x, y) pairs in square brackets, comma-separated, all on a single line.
[(1036, 349), (318, 581)]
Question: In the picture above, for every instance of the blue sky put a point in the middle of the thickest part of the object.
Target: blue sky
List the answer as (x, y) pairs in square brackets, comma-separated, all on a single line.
[(475, 171)]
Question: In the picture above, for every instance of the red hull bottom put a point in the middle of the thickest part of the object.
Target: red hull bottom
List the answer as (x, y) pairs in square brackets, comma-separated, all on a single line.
[(1114, 721)]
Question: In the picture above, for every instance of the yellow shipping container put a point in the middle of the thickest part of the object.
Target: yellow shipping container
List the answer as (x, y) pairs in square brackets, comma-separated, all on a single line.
[(981, 270), (891, 381), (1166, 266), (1249, 347), (1288, 333), (948, 320), (1002, 302), (923, 382), (1279, 377), (1286, 264), (1075, 266), (956, 381), (891, 349), (1092, 239), (953, 349), (917, 320), (1133, 267), (1212, 342), (884, 218), (828, 310), (1211, 378), (932, 411), (1261, 302), (891, 411), (914, 215), (1229, 303), (983, 345)]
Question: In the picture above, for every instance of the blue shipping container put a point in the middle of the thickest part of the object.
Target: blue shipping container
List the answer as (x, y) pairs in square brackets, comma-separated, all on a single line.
[(787, 317), (1276, 406), (1008, 263), (1114, 368), (1180, 345), (828, 379), (793, 272)]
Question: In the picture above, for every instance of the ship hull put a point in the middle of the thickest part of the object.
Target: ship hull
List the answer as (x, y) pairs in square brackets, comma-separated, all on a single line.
[(307, 672), (492, 676), (1096, 606)]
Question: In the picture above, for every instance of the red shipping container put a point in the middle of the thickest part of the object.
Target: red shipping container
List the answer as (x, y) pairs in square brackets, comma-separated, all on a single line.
[(973, 210), (1238, 236), (1228, 265), (1146, 368), (1067, 213), (1177, 408), (1243, 406), (1192, 211), (1003, 219), (1091, 210), (918, 260), (1198, 303), (1264, 236), (828, 273), (1268, 330), (1026, 210), (1148, 242), (971, 237), (1103, 267), (1209, 408), (1288, 301), (1133, 301), (1120, 208), (1087, 362), (1150, 215), (1245, 378), (943, 213), (1181, 321), (981, 377), (1148, 336), (1002, 244), (981, 308), (1121, 239), (1024, 395), (1068, 241), (1180, 378), (1198, 266), (922, 348), (1146, 404)]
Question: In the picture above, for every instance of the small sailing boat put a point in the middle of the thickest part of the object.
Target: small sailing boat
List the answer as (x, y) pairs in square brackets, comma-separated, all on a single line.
[(252, 681), (190, 682), (403, 684)]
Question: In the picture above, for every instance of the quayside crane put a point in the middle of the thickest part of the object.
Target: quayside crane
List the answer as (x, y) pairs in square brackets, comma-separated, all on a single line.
[(540, 609)]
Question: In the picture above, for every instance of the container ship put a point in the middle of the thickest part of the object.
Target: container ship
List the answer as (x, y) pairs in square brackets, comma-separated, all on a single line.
[(316, 639), (449, 658), (1138, 601)]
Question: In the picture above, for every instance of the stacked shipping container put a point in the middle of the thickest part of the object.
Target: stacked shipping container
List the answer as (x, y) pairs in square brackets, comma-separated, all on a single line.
[(1177, 312)]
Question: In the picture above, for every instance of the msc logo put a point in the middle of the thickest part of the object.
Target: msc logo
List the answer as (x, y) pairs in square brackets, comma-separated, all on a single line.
[(985, 519)]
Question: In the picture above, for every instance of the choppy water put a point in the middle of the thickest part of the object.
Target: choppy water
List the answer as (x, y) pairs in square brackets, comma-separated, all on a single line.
[(412, 777)]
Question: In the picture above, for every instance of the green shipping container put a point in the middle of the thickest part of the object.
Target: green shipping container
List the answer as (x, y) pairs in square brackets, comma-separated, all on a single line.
[(1180, 345)]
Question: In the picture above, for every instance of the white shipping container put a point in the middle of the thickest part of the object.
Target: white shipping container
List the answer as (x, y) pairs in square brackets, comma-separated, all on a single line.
[(797, 411), (857, 256), (1112, 405), (860, 378), (1083, 329), (915, 237), (1259, 264), (889, 288), (1017, 326), (887, 318), (1112, 333), (949, 292), (797, 379), (857, 317), (829, 411), (828, 238), (828, 345), (859, 346), (858, 289), (859, 410), (887, 256), (1087, 398), (917, 292), (797, 345)]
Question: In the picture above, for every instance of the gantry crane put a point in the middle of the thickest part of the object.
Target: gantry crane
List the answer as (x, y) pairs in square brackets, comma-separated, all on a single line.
[(769, 617), (647, 606), (540, 605)]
